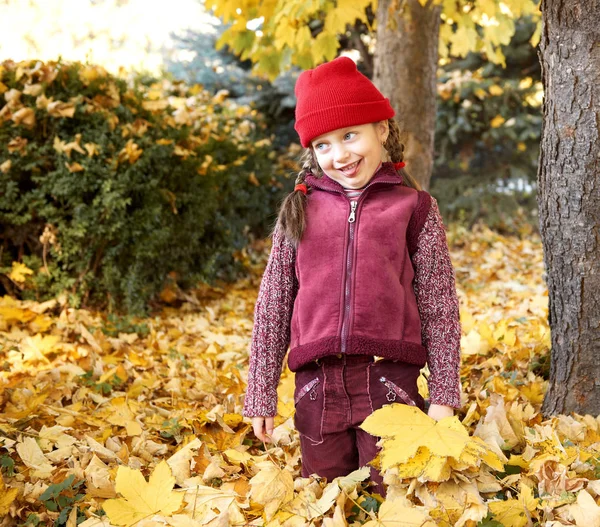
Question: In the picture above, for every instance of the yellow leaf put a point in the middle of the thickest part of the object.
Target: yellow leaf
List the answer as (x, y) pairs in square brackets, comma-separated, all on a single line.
[(397, 514), (5, 167), (405, 428), (61, 109), (155, 106), (494, 89), (515, 512), (33, 457), (348, 483), (464, 39), (19, 272), (7, 496), (271, 487), (210, 504), (36, 348), (121, 415), (24, 116), (473, 344), (142, 499), (339, 17), (324, 47), (585, 511), (284, 33), (92, 149), (303, 38), (497, 121), (131, 152), (98, 481), (74, 167), (180, 460)]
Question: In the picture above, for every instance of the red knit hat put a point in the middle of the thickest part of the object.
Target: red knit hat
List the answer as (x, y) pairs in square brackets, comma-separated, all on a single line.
[(335, 95)]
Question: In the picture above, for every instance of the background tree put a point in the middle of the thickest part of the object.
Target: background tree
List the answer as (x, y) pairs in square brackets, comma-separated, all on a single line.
[(276, 36), (569, 201)]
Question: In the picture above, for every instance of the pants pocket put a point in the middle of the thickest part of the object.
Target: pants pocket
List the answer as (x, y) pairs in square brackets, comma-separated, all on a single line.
[(309, 400), (394, 382), (395, 393)]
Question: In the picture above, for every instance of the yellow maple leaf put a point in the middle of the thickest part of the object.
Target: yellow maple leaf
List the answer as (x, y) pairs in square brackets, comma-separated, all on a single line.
[(121, 414), (7, 496), (271, 487), (36, 348), (19, 272), (131, 152), (142, 499), (515, 512), (406, 428)]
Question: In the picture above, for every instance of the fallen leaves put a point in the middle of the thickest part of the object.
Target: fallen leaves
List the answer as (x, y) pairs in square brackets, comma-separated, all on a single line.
[(271, 487), (423, 448), (105, 402), (7, 497), (142, 499)]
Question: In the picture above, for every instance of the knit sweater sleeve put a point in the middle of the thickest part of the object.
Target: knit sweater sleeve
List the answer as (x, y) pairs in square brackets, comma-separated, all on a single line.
[(271, 331), (437, 301)]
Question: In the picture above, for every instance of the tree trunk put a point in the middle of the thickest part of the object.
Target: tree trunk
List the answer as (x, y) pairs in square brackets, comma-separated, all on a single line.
[(569, 200), (406, 61)]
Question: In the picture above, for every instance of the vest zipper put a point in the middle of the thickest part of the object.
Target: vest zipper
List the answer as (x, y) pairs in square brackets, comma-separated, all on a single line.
[(349, 251), (352, 221)]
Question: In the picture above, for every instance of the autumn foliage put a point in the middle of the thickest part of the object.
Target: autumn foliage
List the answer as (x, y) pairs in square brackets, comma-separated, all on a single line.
[(120, 421)]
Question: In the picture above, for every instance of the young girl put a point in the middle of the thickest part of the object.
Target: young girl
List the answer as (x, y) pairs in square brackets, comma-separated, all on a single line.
[(359, 281)]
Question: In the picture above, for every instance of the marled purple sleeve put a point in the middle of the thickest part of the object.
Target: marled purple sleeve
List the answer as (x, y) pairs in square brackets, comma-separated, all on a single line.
[(271, 331), (435, 289)]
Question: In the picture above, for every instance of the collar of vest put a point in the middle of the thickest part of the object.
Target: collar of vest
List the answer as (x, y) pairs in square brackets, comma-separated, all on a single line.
[(386, 173)]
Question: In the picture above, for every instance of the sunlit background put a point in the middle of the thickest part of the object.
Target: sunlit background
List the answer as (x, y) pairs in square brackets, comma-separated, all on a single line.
[(133, 34)]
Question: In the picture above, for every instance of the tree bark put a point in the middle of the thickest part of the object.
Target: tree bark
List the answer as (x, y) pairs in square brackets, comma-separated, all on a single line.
[(406, 62), (569, 200)]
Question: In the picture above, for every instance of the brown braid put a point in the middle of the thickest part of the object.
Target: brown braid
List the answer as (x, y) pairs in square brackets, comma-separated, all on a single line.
[(396, 152), (291, 218)]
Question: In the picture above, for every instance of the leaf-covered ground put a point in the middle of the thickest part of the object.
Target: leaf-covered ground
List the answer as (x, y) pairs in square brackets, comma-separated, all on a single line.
[(112, 421)]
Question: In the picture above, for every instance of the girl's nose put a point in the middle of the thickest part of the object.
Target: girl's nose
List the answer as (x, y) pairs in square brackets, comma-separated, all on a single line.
[(340, 154)]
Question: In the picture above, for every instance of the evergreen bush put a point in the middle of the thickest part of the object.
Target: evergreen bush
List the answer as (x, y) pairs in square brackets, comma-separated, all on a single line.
[(109, 188)]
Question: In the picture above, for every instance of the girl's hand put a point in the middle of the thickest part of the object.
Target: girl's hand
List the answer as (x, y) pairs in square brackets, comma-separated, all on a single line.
[(263, 428), (438, 411)]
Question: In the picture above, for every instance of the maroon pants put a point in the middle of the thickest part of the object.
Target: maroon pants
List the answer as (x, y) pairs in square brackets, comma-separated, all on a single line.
[(333, 396)]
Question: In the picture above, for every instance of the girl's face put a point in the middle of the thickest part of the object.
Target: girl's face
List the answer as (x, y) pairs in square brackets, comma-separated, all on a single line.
[(351, 155)]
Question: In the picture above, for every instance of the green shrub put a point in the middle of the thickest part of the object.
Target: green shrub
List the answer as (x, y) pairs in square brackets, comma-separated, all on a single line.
[(110, 188)]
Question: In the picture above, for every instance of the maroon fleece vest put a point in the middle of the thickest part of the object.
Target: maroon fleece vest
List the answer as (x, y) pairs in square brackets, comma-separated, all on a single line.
[(355, 272)]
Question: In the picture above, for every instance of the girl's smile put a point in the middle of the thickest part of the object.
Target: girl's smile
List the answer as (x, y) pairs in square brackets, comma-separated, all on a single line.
[(350, 170)]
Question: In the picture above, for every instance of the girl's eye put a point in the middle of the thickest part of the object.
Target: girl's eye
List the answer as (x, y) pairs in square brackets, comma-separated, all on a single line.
[(320, 146), (349, 135)]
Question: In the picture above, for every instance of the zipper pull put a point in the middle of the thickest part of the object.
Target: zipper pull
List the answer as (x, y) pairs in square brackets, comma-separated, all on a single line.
[(352, 217)]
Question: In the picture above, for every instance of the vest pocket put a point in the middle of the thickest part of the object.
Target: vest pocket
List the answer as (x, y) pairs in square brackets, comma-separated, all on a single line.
[(309, 402)]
